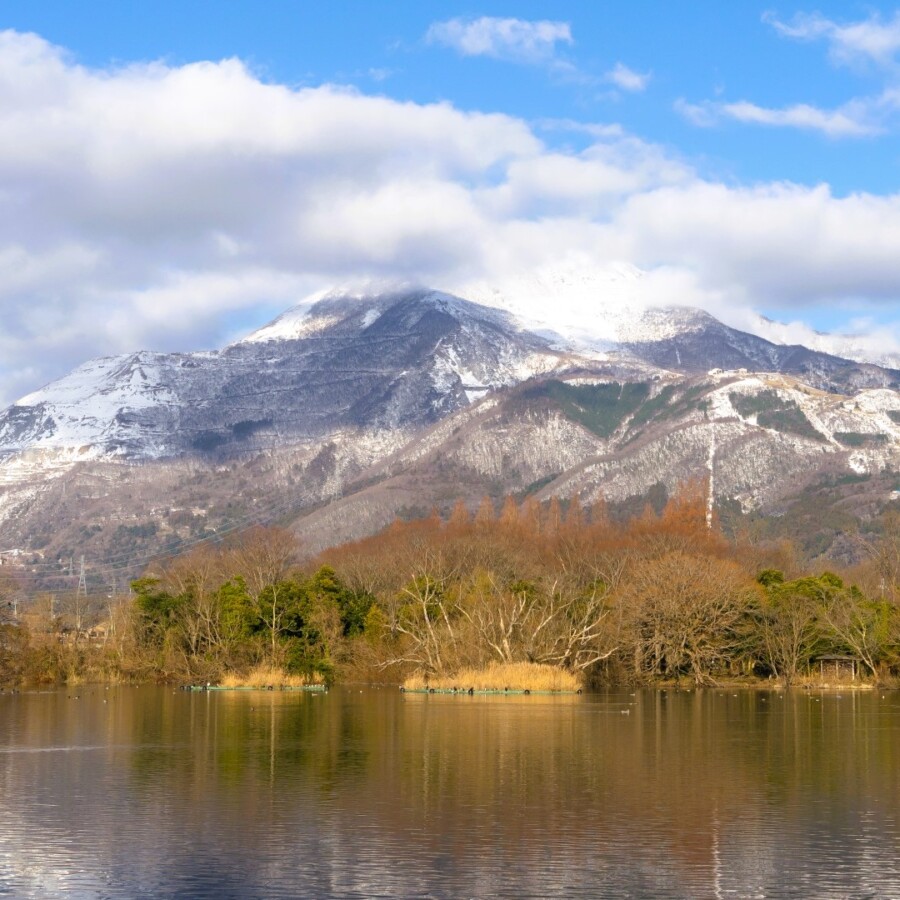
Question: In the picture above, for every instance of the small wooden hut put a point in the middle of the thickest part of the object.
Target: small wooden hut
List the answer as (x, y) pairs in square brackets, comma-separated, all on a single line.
[(838, 667)]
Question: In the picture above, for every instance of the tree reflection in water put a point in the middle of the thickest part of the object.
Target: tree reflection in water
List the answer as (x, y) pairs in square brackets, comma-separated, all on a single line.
[(370, 792)]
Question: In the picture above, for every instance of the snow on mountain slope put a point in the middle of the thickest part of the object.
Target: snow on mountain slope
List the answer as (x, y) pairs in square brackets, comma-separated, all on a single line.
[(582, 305), (360, 307), (389, 360), (764, 438), (598, 305), (387, 357), (87, 406)]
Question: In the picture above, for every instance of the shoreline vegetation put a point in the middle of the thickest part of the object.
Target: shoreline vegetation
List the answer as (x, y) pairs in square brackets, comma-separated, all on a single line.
[(544, 597)]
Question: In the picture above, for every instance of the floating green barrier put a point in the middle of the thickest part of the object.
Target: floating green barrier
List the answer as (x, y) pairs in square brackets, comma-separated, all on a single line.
[(493, 692)]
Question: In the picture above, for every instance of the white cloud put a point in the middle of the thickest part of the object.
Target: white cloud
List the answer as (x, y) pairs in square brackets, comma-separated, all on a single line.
[(856, 119), (591, 183), (833, 123), (703, 115), (869, 40), (778, 244), (514, 40), (598, 130), (164, 207), (627, 79), (864, 338)]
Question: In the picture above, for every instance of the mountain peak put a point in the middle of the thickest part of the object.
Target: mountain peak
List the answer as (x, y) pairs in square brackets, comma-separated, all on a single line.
[(400, 357), (356, 309)]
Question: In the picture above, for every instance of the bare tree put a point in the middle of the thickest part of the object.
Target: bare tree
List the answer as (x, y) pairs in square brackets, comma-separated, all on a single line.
[(527, 623), (423, 610), (196, 577), (684, 613), (884, 553)]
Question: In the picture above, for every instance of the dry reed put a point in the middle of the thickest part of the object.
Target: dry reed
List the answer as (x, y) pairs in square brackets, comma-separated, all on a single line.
[(500, 676), (263, 676)]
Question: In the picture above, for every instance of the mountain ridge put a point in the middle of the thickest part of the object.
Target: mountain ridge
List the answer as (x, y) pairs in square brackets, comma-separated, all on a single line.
[(358, 409), (131, 405)]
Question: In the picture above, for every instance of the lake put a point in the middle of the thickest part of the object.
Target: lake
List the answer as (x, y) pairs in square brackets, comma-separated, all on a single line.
[(366, 792)]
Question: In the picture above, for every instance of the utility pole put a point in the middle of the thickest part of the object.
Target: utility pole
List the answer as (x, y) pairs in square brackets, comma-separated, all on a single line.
[(711, 463), (112, 606), (82, 581)]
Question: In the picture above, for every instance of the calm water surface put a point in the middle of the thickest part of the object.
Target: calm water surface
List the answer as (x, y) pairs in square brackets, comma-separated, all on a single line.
[(150, 792)]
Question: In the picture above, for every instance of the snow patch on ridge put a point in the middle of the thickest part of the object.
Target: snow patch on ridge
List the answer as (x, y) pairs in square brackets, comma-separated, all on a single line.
[(584, 306), (371, 317)]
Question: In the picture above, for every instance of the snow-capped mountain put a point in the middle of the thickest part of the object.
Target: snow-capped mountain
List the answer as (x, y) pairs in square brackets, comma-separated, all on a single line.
[(763, 441), (356, 406), (587, 307), (580, 305), (388, 361), (397, 358), (593, 304), (690, 340)]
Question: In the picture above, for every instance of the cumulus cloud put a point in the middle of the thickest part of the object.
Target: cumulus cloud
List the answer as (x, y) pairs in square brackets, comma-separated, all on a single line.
[(793, 244), (869, 40), (866, 43), (514, 40), (143, 205), (627, 79), (166, 207), (856, 119)]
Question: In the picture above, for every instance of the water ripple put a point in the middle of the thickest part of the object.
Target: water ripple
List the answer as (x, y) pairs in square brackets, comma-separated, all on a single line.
[(689, 794)]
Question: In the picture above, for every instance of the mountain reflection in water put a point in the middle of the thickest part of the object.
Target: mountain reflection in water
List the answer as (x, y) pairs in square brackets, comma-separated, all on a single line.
[(150, 792)]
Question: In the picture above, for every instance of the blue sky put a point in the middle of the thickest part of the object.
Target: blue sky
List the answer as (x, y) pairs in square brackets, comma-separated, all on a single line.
[(743, 155), (700, 51)]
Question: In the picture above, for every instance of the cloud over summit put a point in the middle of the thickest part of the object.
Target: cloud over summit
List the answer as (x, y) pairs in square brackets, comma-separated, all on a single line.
[(170, 206)]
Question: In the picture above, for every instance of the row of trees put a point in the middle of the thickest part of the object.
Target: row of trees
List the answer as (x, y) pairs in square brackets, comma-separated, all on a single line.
[(232, 607), (661, 596)]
